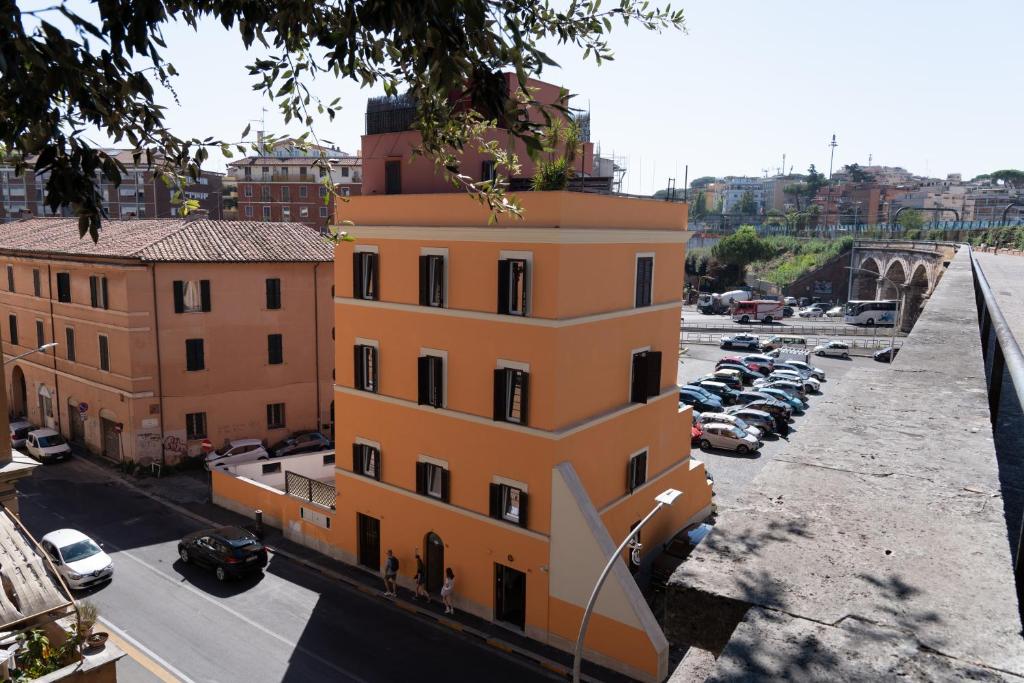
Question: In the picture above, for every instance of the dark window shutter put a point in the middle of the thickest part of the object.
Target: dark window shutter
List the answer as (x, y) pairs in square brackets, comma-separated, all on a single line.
[(641, 468), (644, 280), (93, 291), (106, 293), (653, 379), (638, 388), (495, 501), (357, 458), (275, 349), (374, 262), (436, 388), (423, 370), (360, 379), (525, 401), (204, 291), (504, 274), (424, 280), (378, 464), (630, 474), (179, 296), (357, 275), (523, 508), (421, 478), (375, 356), (500, 381), (446, 485)]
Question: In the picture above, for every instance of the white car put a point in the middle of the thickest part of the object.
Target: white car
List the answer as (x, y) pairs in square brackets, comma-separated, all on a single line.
[(791, 301), (237, 452), (729, 437), (47, 445), (810, 312), (834, 312), (810, 384), (19, 432), (816, 372), (726, 418), (78, 558), (833, 348)]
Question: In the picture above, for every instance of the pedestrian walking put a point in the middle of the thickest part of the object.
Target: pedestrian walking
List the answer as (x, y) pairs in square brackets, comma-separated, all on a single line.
[(390, 575), (447, 589), (421, 580)]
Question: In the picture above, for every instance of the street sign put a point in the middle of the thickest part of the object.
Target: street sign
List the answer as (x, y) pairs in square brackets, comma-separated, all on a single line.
[(207, 446), (118, 427), (83, 407)]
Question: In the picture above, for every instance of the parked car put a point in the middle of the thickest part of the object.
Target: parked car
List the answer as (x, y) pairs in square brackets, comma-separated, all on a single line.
[(884, 356), (787, 311), (746, 374), (836, 349), (678, 549), (741, 341), (728, 396), (790, 301), (728, 437), (19, 432), (739, 361), (782, 412), (764, 363), (834, 312), (810, 384), (697, 390), (695, 434), (237, 452), (301, 442), (790, 385), (755, 394), (756, 418), (781, 340), (47, 445), (730, 418), (78, 558), (810, 312), (816, 372), (780, 395), (230, 551), (729, 380), (700, 402)]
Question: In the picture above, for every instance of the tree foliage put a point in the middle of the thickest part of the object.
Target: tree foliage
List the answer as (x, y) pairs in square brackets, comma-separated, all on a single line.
[(911, 220), (1010, 177), (699, 205), (702, 182), (746, 203), (815, 181), (64, 73), (740, 248), (858, 174)]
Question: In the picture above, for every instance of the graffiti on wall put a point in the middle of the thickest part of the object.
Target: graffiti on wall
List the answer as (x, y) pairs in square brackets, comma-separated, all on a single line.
[(175, 446)]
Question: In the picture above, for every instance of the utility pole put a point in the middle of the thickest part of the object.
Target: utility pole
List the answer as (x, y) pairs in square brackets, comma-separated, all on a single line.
[(783, 171), (832, 156)]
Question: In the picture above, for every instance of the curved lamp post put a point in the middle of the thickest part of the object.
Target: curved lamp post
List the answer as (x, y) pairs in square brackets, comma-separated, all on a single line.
[(666, 497), (41, 349)]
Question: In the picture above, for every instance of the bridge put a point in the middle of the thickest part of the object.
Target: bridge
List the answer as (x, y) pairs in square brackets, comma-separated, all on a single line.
[(883, 545)]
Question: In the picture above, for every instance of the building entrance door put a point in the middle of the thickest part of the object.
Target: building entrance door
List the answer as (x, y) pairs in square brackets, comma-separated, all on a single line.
[(111, 440), (369, 541), (435, 562), (509, 595), (19, 398)]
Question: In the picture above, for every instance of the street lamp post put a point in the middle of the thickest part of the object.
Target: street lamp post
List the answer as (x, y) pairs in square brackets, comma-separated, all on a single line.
[(666, 497), (41, 349), (899, 304)]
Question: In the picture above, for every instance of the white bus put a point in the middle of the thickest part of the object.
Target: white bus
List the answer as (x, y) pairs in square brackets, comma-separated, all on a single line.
[(871, 312)]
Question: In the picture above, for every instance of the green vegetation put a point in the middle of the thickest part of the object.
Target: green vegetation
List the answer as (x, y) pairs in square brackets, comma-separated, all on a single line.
[(911, 221), (746, 204), (791, 258)]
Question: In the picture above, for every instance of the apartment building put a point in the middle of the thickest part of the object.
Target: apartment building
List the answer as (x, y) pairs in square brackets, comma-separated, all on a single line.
[(168, 332), (289, 182), (140, 194)]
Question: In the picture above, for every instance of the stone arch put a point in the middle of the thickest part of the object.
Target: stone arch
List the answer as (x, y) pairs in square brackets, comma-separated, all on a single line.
[(916, 292), (19, 393), (865, 284), (895, 272)]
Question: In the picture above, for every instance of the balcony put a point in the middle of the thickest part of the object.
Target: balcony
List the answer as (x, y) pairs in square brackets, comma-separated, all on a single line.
[(390, 114)]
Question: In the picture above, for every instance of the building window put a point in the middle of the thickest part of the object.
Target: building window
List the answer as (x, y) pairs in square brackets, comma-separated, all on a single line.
[(508, 503), (40, 334), (366, 367), (303, 171), (265, 193), (37, 285), (323, 172), (286, 193), (432, 480), (346, 192), (195, 426), (273, 293), (487, 170), (271, 468), (511, 390), (248, 212), (247, 173), (366, 460), (283, 172), (431, 381), (64, 288), (645, 378), (69, 343), (191, 296), (12, 322), (323, 212), (644, 280), (266, 213), (513, 284), (10, 278), (636, 471), (432, 280), (247, 192), (286, 213), (275, 349), (98, 291), (344, 171), (195, 355), (303, 212), (322, 192), (303, 191), (392, 177), (104, 353), (275, 416), (365, 275)]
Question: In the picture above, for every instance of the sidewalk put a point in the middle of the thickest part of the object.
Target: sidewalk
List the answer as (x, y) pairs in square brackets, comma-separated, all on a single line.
[(189, 494)]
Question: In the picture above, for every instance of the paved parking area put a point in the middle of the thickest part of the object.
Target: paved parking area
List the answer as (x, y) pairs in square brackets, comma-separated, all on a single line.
[(733, 472)]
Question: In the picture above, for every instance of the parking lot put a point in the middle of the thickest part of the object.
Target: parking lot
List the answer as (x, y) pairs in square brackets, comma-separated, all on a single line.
[(731, 471)]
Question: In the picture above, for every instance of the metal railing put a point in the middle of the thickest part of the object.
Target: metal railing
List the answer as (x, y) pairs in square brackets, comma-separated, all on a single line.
[(784, 330), (311, 490), (875, 344), (1005, 352)]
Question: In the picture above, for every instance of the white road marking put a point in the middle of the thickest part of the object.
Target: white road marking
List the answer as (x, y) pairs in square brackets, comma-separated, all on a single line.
[(121, 633)]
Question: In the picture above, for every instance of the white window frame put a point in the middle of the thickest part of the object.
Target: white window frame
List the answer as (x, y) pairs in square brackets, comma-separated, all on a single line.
[(303, 212), (504, 364), (636, 269), (375, 344), (424, 351), (248, 211), (440, 251), (528, 257), (368, 249), (647, 450), (362, 465), (323, 212), (266, 213), (629, 386), (507, 484), (437, 463)]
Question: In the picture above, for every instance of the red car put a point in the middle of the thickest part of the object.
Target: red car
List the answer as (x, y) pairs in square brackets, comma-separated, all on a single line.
[(695, 434), (739, 361)]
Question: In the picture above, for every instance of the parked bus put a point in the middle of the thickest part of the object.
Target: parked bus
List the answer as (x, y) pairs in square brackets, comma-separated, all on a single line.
[(764, 310), (871, 312)]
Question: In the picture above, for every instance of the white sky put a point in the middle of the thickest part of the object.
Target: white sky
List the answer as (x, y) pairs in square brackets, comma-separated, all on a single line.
[(934, 86)]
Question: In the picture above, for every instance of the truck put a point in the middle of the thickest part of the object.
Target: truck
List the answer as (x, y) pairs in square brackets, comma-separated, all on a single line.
[(763, 310), (709, 304)]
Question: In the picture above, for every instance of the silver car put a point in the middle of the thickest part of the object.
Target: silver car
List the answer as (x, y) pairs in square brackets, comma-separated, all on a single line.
[(729, 437), (728, 418), (833, 348)]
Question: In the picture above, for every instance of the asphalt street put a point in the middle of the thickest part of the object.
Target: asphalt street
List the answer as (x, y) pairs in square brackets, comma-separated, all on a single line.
[(289, 624), (733, 472), (692, 318)]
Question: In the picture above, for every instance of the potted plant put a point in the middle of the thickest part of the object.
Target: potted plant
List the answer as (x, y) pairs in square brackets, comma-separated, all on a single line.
[(87, 615)]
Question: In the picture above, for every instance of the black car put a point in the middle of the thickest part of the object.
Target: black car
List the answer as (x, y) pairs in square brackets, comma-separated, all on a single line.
[(301, 442), (886, 355), (230, 551), (727, 380), (720, 389), (701, 403)]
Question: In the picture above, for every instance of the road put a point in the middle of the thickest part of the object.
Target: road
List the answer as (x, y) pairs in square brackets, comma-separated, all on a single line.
[(733, 472), (290, 624), (803, 326)]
